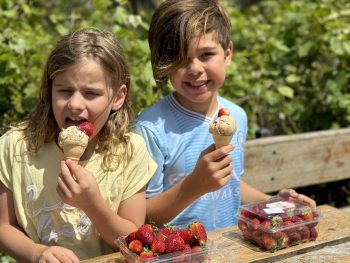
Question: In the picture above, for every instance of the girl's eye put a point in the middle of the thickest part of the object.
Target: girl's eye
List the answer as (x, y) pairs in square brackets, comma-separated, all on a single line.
[(207, 54)]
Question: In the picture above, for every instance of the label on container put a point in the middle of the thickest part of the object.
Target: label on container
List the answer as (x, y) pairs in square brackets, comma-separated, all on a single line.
[(274, 210), (281, 204)]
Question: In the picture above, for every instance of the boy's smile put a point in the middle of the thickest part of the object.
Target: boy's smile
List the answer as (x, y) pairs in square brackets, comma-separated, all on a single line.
[(197, 80)]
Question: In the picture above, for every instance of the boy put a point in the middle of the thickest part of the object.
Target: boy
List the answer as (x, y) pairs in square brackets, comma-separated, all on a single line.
[(190, 46)]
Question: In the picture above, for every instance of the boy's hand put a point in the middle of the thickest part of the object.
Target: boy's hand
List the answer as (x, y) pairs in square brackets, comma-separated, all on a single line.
[(77, 186), (56, 254), (291, 193), (213, 168)]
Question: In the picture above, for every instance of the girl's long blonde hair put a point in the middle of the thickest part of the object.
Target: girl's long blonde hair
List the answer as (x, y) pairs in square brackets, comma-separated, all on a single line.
[(41, 127)]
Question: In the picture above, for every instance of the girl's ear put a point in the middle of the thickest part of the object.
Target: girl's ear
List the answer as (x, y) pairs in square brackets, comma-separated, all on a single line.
[(119, 98), (228, 53)]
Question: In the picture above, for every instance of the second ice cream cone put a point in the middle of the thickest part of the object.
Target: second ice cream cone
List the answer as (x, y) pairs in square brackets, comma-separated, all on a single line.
[(221, 140)]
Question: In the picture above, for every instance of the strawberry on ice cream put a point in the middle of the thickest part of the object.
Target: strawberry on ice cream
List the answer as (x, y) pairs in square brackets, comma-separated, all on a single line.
[(74, 140), (223, 128)]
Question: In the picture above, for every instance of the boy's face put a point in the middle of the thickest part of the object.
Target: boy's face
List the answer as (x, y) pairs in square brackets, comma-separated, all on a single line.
[(197, 80), (83, 92)]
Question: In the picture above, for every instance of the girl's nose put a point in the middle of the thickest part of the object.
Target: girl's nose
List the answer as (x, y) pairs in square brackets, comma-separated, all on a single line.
[(76, 102)]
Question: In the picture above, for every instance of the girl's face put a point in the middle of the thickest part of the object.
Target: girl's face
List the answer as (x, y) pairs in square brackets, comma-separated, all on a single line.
[(83, 92), (197, 80)]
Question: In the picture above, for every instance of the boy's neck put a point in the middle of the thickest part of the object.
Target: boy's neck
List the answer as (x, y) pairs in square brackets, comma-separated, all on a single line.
[(207, 108)]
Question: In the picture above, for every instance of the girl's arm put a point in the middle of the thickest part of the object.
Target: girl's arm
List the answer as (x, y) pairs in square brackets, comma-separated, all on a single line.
[(77, 187), (16, 244)]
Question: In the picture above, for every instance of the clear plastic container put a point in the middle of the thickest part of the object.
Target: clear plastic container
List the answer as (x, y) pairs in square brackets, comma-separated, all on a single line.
[(278, 223), (210, 254)]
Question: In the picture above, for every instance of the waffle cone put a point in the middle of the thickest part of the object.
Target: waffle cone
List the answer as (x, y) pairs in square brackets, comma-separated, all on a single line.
[(221, 140), (73, 152)]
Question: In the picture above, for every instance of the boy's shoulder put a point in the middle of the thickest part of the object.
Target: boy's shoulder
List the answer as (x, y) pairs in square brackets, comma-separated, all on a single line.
[(155, 113)]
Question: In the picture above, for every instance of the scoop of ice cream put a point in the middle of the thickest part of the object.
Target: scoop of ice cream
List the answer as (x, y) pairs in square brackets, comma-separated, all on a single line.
[(73, 135), (225, 125)]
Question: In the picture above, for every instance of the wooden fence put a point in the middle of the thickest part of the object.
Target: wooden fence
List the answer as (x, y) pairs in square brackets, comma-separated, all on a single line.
[(293, 161)]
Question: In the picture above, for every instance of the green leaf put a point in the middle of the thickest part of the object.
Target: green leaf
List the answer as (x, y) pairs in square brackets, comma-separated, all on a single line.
[(286, 91)]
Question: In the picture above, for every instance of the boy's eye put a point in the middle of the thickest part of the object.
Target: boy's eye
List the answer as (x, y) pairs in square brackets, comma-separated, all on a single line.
[(207, 54)]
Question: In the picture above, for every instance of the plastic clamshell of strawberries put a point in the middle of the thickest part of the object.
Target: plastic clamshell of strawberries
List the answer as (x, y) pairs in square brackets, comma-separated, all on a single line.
[(278, 223), (210, 254)]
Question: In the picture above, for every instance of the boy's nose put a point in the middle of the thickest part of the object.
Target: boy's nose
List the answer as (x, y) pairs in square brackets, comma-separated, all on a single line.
[(194, 68)]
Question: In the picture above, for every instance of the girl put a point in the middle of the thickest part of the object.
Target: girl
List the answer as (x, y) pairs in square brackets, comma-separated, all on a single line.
[(48, 204)]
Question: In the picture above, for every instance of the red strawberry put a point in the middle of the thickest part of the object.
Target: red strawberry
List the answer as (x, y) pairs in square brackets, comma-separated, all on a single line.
[(268, 242), (158, 244), (173, 243), (199, 232), (247, 214), (186, 236), (266, 225), (254, 224), (313, 234), (294, 238), (306, 213), (304, 233), (145, 234), (282, 239), (223, 111), (87, 128), (146, 253), (196, 248), (136, 246), (288, 226), (130, 237), (242, 225)]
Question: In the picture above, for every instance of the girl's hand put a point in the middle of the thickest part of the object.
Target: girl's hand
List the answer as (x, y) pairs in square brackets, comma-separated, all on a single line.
[(77, 186), (213, 168), (54, 254), (291, 193)]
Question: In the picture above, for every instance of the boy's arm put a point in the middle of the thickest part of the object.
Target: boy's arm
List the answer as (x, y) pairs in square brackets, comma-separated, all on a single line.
[(16, 244), (212, 171), (251, 195)]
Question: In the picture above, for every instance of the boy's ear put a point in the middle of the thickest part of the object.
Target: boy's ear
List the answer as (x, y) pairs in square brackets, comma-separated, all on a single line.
[(228, 53), (119, 98)]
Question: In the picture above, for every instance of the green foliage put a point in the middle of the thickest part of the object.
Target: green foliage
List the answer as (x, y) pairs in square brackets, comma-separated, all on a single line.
[(290, 69)]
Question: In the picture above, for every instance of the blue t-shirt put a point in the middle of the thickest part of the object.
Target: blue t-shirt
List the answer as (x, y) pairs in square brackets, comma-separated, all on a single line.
[(175, 138)]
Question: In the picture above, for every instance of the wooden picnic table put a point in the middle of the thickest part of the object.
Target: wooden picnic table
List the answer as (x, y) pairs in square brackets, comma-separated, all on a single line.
[(332, 244)]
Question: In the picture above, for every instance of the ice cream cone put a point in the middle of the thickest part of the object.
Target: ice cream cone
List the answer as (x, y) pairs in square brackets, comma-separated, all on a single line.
[(73, 142), (221, 140), (73, 152)]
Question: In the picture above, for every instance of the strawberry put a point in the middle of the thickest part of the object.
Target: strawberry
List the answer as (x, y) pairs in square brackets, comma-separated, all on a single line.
[(87, 128), (136, 246), (306, 213), (196, 248), (130, 237), (313, 234), (247, 214), (294, 238), (186, 236), (282, 239), (304, 233), (288, 226), (146, 254), (242, 225), (254, 224), (145, 234), (158, 244), (199, 232), (268, 243), (223, 111), (276, 221), (266, 225), (174, 243)]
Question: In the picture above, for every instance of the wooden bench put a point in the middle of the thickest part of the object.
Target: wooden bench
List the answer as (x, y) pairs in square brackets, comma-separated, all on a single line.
[(293, 161)]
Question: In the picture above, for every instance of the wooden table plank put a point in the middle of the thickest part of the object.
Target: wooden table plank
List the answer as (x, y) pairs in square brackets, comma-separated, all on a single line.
[(334, 229)]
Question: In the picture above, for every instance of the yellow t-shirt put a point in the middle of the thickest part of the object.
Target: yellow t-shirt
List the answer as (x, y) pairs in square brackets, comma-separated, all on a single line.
[(32, 178)]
